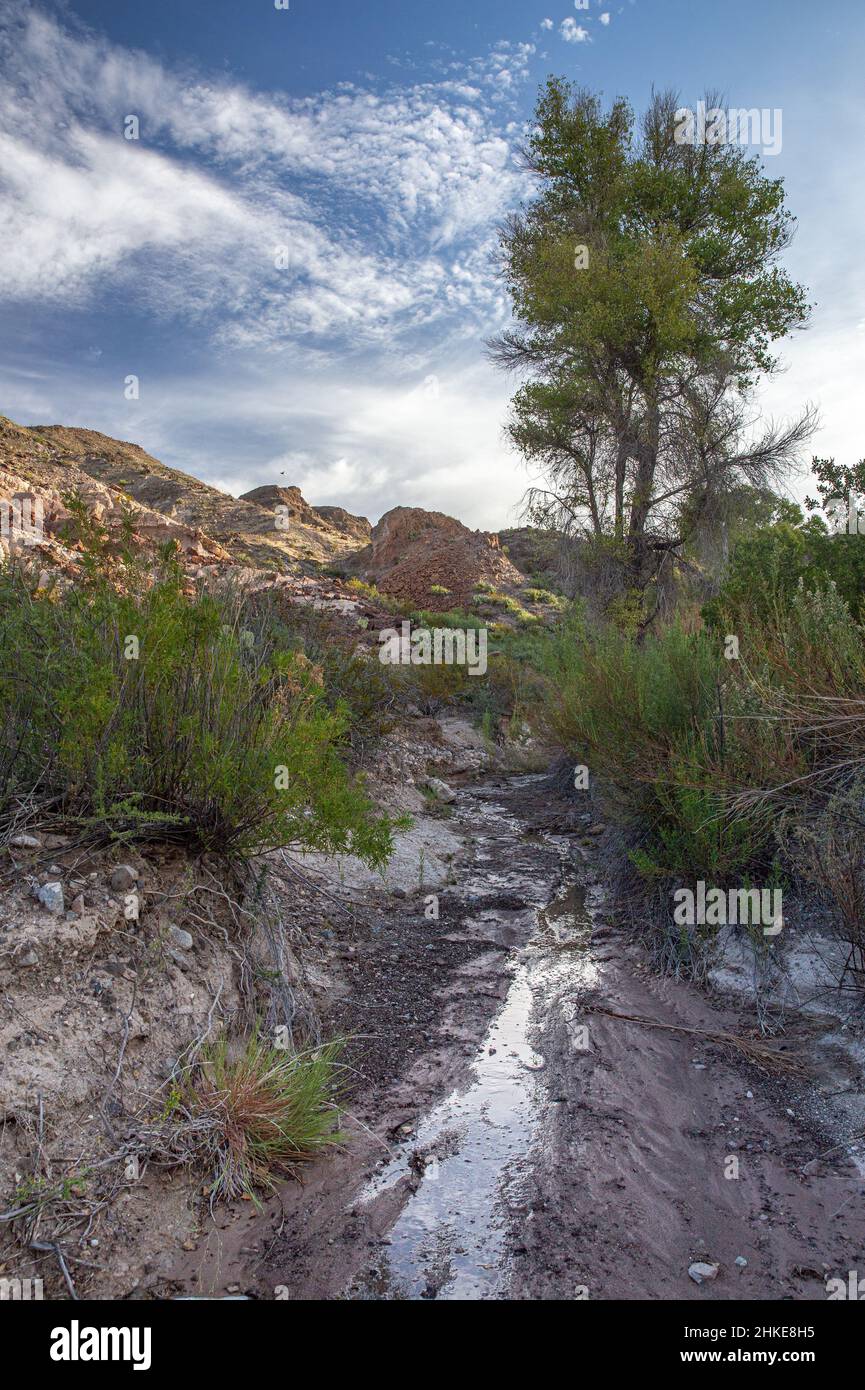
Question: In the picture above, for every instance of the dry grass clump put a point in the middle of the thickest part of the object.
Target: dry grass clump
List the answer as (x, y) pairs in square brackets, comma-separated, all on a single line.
[(249, 1117)]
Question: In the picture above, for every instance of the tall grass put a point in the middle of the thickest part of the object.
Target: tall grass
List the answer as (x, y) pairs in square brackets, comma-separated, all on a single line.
[(714, 767), (649, 720)]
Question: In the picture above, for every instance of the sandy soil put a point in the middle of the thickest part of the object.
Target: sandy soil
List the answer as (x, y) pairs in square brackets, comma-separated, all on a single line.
[(496, 1150), (633, 1181)]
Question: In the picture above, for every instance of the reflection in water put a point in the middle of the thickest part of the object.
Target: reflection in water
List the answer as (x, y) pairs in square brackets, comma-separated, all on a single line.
[(450, 1240)]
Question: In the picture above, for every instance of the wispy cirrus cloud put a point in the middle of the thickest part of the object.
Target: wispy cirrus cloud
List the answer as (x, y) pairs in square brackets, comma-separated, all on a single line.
[(281, 273), (384, 200)]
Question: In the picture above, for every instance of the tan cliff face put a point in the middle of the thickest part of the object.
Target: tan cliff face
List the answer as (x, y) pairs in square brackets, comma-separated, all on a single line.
[(293, 507), (358, 527), (425, 558), (113, 477), (33, 474)]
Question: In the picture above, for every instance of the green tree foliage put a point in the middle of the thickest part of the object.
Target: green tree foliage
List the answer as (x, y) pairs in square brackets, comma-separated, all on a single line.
[(841, 488), (770, 563), (647, 299)]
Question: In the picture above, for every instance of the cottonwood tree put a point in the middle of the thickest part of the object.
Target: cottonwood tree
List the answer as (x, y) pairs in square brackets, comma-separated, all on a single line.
[(646, 299)]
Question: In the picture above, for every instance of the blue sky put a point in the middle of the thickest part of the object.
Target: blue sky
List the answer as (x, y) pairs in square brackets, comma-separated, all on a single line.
[(294, 258)]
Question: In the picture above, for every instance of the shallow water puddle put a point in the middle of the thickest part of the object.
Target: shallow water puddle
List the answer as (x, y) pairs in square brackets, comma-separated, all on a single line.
[(449, 1240), (470, 1153)]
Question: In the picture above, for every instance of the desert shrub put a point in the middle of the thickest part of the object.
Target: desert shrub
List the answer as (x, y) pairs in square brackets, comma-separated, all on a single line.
[(511, 684), (534, 595), (768, 565), (514, 686), (631, 706), (701, 759), (827, 850), (365, 693), (649, 721), (252, 1116), (454, 618), (491, 599), (803, 730), (374, 595), (432, 687), (156, 712)]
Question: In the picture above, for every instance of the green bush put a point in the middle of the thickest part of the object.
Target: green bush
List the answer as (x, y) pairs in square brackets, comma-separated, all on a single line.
[(649, 720), (695, 754), (155, 712), (767, 566), (354, 683), (454, 618), (536, 595)]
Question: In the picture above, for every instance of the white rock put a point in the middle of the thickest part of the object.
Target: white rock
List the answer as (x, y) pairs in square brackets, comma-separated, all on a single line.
[(700, 1273), (441, 791), (51, 897), (26, 842)]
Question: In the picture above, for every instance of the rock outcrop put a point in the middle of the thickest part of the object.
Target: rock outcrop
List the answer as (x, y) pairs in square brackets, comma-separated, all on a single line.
[(358, 527), (111, 476), (425, 558), (294, 507), (36, 487), (415, 555)]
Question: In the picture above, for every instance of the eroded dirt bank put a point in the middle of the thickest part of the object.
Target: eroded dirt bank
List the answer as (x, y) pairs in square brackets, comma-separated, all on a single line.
[(511, 1140)]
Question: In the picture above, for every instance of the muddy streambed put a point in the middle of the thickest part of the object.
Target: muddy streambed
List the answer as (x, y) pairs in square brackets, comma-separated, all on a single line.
[(469, 1157), (520, 1133)]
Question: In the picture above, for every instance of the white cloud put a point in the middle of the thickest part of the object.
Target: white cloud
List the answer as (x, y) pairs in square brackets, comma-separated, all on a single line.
[(371, 191), (604, 18), (572, 32), (386, 202)]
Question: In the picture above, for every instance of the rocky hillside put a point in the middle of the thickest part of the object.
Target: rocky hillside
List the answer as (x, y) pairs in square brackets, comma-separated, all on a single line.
[(426, 559), (432, 560), (110, 474), (295, 510)]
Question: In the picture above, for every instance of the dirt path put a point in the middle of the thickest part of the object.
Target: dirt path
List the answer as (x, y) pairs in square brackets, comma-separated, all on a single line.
[(511, 1142)]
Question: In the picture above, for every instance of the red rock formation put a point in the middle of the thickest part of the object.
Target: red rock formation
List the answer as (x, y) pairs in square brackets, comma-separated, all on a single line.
[(413, 551)]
